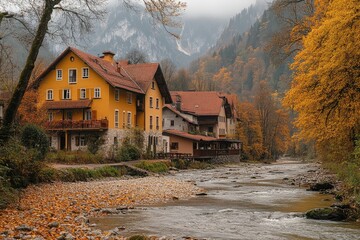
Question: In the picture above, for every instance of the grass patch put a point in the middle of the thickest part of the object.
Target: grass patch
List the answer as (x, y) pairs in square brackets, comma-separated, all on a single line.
[(78, 157), (155, 167), (186, 164), (80, 174)]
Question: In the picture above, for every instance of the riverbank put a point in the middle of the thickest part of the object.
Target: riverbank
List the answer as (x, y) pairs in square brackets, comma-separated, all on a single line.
[(61, 210)]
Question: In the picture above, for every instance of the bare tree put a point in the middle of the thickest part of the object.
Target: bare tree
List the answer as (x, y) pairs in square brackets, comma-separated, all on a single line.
[(135, 56), (169, 69), (64, 19)]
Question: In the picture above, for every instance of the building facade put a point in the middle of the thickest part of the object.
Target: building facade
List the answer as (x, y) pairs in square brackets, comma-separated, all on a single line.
[(96, 97)]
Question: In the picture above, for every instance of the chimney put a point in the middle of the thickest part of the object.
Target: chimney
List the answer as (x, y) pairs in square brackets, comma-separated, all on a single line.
[(109, 56)]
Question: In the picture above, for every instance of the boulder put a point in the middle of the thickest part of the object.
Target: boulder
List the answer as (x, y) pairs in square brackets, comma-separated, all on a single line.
[(321, 186), (330, 213)]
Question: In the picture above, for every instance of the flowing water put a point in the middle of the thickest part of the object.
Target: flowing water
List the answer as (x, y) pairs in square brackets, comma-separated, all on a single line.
[(243, 202)]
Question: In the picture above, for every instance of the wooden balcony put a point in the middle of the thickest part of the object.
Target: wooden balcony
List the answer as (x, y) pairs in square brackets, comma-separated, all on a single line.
[(77, 125), (215, 152)]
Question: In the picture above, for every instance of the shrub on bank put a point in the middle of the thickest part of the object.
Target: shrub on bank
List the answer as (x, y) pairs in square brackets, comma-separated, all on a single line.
[(78, 157), (155, 167), (127, 152)]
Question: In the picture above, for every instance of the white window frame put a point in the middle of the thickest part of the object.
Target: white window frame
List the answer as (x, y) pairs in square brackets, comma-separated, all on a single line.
[(87, 115), (72, 69), (85, 72), (117, 95), (48, 95), (82, 93), (116, 118), (97, 92), (151, 102), (157, 104), (128, 119), (50, 116), (66, 96), (82, 141), (129, 97), (59, 74)]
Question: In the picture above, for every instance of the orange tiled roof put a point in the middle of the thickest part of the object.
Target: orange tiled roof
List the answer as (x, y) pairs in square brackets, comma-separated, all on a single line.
[(79, 104), (132, 77), (190, 136), (199, 103)]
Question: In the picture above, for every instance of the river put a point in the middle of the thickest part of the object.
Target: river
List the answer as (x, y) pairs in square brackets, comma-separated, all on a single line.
[(247, 201)]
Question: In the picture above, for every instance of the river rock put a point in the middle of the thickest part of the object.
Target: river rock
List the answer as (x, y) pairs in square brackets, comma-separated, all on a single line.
[(201, 194), (53, 225), (321, 186), (332, 214), (24, 228)]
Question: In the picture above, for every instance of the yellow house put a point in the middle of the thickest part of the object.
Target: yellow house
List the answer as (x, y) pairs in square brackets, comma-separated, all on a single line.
[(89, 96)]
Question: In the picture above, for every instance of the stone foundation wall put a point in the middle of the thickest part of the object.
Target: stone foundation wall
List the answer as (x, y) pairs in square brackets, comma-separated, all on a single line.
[(225, 159)]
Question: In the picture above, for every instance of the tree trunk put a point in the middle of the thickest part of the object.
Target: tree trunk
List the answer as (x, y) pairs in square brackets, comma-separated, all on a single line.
[(11, 110)]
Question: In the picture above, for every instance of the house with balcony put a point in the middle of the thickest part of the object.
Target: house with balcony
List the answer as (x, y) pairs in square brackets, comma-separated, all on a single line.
[(200, 124), (89, 96)]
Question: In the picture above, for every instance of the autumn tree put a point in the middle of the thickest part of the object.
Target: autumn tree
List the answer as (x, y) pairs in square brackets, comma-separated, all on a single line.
[(63, 18), (223, 80), (326, 90), (249, 131), (274, 122)]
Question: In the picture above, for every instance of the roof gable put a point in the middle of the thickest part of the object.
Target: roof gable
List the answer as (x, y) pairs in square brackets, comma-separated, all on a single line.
[(199, 103), (106, 70)]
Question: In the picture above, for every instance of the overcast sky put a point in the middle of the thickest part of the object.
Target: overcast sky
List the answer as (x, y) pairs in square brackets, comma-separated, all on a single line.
[(216, 8)]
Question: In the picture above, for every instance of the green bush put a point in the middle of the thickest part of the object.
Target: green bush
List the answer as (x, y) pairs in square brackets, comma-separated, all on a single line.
[(23, 164), (94, 143), (156, 167), (127, 152), (7, 193), (34, 137), (78, 157), (82, 174)]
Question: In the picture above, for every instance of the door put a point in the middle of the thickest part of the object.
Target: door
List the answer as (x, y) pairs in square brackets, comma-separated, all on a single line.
[(62, 140)]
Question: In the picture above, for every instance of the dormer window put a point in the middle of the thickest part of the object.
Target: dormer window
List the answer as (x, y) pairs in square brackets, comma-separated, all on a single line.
[(85, 73), (72, 75)]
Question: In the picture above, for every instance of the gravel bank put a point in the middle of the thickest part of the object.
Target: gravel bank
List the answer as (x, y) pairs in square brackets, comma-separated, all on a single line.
[(61, 210)]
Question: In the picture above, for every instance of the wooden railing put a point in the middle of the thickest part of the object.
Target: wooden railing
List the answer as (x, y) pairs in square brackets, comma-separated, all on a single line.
[(215, 152), (78, 125)]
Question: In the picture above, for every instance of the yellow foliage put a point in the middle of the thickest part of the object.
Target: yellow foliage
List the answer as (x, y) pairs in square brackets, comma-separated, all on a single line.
[(326, 88)]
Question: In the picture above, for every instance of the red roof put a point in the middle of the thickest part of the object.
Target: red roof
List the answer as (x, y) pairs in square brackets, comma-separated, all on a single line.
[(67, 104), (199, 103), (189, 136)]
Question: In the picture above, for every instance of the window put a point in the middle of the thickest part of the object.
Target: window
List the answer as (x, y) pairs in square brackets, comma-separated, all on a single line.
[(151, 102), (157, 123), (129, 97), (116, 119), (87, 115), (129, 119), (172, 123), (124, 118), (97, 93), (85, 73), (66, 94), (157, 103), (82, 93), (49, 94), (59, 74), (153, 85), (80, 141), (50, 116), (174, 146), (69, 115), (117, 94), (151, 122), (210, 129), (72, 75)]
